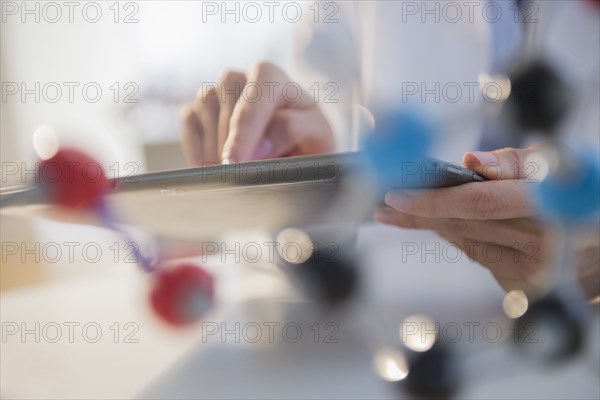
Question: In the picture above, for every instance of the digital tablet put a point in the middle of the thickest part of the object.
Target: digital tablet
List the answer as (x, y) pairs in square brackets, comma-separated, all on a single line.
[(203, 202)]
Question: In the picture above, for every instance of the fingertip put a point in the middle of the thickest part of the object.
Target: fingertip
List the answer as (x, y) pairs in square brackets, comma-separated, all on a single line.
[(232, 157), (469, 160), (243, 137), (228, 157), (483, 162), (229, 154), (476, 158)]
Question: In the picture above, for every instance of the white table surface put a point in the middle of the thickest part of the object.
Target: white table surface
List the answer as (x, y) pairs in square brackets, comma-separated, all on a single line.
[(174, 364)]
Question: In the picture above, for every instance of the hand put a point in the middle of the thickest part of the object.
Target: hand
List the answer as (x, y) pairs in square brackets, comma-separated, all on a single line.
[(492, 222), (253, 116)]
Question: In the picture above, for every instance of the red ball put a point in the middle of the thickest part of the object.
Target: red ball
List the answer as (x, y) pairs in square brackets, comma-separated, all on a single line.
[(72, 179), (182, 295)]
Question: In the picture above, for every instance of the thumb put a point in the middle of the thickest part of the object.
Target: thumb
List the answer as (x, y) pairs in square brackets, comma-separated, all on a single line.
[(507, 163)]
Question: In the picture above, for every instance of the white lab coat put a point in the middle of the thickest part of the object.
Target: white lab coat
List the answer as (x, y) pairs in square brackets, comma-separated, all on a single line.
[(378, 50)]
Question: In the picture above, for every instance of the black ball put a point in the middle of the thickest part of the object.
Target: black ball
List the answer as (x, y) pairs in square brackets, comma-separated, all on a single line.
[(538, 99), (328, 277), (434, 373), (550, 330)]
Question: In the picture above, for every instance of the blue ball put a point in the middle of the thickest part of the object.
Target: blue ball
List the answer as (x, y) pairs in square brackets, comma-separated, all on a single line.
[(573, 197), (397, 146)]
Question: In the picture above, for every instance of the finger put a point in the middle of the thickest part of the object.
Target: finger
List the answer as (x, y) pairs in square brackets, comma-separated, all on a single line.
[(476, 201), (207, 110), (512, 268), (514, 233), (296, 131), (192, 137), (263, 95), (507, 163), (230, 91)]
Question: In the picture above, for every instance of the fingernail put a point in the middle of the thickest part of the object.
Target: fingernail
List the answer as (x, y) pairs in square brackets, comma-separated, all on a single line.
[(384, 217), (264, 149), (399, 200), (229, 160), (480, 157)]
